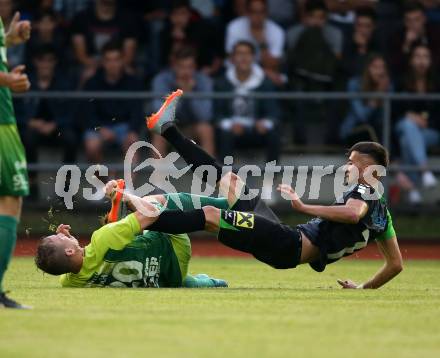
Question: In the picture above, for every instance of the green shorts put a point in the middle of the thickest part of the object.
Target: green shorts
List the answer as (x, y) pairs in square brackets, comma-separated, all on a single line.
[(13, 167), (182, 248)]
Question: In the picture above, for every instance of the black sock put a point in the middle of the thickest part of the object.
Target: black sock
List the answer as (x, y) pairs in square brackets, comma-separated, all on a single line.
[(179, 222), (191, 152)]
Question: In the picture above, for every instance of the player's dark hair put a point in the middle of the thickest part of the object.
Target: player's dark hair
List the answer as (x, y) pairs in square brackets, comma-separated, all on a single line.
[(367, 12), (373, 149), (315, 5), (248, 44), (51, 258), (112, 45), (411, 6)]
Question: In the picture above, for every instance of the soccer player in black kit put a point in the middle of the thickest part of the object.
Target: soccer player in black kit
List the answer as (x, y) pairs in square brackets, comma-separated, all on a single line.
[(250, 226)]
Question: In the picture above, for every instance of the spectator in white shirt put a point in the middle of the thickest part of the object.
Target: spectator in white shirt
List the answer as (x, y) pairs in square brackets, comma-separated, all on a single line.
[(265, 34)]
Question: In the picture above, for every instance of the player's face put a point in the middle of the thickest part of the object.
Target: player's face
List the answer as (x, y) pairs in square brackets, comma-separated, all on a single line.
[(64, 241), (356, 166), (243, 58), (352, 170)]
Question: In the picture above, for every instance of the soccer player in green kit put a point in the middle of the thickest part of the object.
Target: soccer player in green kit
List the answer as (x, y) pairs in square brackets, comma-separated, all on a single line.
[(122, 253), (13, 174)]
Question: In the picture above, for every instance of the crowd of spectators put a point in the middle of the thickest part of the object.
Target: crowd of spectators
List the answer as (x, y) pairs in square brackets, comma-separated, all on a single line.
[(238, 46)]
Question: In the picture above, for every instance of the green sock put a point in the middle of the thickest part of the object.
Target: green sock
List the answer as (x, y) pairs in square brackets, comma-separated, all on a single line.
[(198, 281), (8, 236), (187, 201)]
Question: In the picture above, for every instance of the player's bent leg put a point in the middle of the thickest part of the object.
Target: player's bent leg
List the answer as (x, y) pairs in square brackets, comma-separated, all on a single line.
[(159, 198), (162, 122), (10, 210), (212, 218), (231, 186), (186, 201), (235, 190)]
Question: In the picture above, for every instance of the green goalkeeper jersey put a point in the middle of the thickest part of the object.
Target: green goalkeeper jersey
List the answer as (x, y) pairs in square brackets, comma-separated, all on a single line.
[(6, 109), (119, 255)]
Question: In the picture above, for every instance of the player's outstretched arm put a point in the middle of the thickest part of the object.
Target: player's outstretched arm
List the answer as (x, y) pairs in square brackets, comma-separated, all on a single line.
[(392, 267), (350, 213)]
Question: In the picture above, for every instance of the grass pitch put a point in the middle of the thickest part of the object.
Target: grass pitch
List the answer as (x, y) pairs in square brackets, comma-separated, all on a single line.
[(264, 313)]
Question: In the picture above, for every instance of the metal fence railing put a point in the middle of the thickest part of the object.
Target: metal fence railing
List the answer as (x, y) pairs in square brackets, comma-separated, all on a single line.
[(386, 98)]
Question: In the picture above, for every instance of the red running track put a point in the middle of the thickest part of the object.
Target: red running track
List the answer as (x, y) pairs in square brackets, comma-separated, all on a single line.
[(209, 247)]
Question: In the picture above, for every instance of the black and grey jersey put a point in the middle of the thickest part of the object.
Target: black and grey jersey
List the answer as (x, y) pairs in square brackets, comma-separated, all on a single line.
[(337, 240)]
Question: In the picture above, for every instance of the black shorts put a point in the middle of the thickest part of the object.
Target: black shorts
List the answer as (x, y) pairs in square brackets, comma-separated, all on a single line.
[(271, 242), (258, 206)]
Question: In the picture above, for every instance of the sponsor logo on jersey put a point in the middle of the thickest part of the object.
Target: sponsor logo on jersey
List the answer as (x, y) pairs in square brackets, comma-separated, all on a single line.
[(245, 220)]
